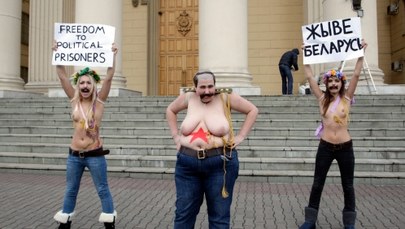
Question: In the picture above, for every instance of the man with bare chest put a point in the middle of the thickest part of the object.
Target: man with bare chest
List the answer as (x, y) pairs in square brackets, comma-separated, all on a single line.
[(207, 161)]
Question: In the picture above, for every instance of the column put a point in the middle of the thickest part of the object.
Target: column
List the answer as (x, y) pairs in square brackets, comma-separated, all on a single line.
[(107, 12), (43, 14), (223, 43), (369, 33), (10, 45), (313, 14)]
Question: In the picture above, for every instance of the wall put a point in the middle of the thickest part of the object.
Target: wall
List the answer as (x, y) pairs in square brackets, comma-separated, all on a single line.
[(384, 39), (134, 46), (274, 27), (397, 23)]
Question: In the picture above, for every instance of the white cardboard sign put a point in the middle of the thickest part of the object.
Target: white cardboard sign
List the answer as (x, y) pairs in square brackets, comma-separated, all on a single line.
[(332, 41), (83, 45)]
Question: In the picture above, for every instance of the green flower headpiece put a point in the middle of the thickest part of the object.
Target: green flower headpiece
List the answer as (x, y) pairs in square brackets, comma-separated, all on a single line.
[(85, 71)]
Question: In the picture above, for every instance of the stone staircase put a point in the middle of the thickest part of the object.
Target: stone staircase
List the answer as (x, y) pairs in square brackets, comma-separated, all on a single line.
[(35, 134)]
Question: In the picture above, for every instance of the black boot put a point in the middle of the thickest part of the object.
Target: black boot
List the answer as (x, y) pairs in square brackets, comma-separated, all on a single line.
[(108, 219), (311, 214), (64, 219), (65, 225), (109, 225), (349, 219)]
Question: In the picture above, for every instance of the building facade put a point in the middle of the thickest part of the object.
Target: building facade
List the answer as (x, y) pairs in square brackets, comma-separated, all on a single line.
[(164, 42)]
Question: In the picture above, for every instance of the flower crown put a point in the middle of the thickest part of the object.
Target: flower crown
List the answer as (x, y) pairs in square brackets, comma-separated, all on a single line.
[(85, 71), (333, 73)]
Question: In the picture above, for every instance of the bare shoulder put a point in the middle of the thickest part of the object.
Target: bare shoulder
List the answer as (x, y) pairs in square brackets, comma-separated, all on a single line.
[(181, 102), (240, 103)]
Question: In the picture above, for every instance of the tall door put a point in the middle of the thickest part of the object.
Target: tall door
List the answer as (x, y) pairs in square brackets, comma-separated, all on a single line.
[(178, 56)]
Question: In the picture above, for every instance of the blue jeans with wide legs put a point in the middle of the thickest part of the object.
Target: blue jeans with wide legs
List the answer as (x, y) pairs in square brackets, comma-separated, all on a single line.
[(286, 79), (195, 178), (343, 153), (98, 169)]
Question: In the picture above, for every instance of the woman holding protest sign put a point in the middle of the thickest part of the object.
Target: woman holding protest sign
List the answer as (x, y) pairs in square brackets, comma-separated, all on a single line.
[(335, 141), (86, 148)]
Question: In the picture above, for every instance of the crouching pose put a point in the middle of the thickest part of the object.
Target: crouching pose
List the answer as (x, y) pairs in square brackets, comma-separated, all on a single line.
[(335, 141), (86, 149)]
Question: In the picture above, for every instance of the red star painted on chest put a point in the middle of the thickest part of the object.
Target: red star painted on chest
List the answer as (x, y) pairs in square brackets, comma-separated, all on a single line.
[(199, 134)]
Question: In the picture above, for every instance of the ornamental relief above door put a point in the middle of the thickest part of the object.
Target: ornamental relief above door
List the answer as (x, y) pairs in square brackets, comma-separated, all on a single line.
[(178, 45)]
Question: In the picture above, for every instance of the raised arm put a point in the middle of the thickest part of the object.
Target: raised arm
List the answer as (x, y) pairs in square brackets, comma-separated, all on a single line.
[(312, 82), (105, 89), (65, 81), (356, 74), (63, 78)]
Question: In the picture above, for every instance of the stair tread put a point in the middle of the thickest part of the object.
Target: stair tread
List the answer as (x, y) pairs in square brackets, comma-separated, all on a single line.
[(173, 158), (377, 126), (172, 147), (169, 137), (242, 172)]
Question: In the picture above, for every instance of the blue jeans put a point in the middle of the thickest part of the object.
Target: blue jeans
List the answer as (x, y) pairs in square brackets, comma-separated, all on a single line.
[(286, 79), (98, 170), (343, 153), (195, 178)]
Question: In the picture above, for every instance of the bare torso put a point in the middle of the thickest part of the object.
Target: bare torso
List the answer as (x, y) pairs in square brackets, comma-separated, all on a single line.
[(335, 123), (205, 125), (86, 139)]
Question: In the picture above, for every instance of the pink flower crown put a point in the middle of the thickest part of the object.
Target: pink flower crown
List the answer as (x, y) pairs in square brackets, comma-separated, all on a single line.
[(333, 73)]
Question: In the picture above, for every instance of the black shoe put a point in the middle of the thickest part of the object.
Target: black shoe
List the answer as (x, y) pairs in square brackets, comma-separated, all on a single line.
[(109, 225), (65, 225)]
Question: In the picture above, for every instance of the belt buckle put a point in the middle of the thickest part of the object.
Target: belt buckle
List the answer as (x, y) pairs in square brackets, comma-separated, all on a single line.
[(81, 154), (201, 154)]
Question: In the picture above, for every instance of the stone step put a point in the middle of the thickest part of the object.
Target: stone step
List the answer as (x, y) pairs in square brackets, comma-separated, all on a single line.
[(360, 99), (281, 146), (165, 100), (153, 140), (244, 151), (282, 176), (299, 107), (286, 123), (245, 163), (384, 114), (164, 131)]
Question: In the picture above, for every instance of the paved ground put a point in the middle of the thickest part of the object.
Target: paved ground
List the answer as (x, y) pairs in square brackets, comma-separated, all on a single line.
[(30, 201)]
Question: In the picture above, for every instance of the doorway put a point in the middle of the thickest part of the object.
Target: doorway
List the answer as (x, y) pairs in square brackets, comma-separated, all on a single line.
[(178, 45)]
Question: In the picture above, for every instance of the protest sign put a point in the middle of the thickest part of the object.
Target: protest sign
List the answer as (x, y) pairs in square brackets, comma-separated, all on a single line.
[(330, 41), (83, 45)]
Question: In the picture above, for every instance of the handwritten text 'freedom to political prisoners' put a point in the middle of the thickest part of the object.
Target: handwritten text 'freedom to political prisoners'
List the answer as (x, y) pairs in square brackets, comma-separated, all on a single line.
[(83, 44)]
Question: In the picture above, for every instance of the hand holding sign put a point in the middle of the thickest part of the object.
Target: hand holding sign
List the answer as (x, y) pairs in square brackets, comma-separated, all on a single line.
[(83, 45), (332, 41)]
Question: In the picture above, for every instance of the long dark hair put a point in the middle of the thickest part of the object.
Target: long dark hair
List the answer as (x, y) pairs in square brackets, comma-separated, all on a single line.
[(328, 96)]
